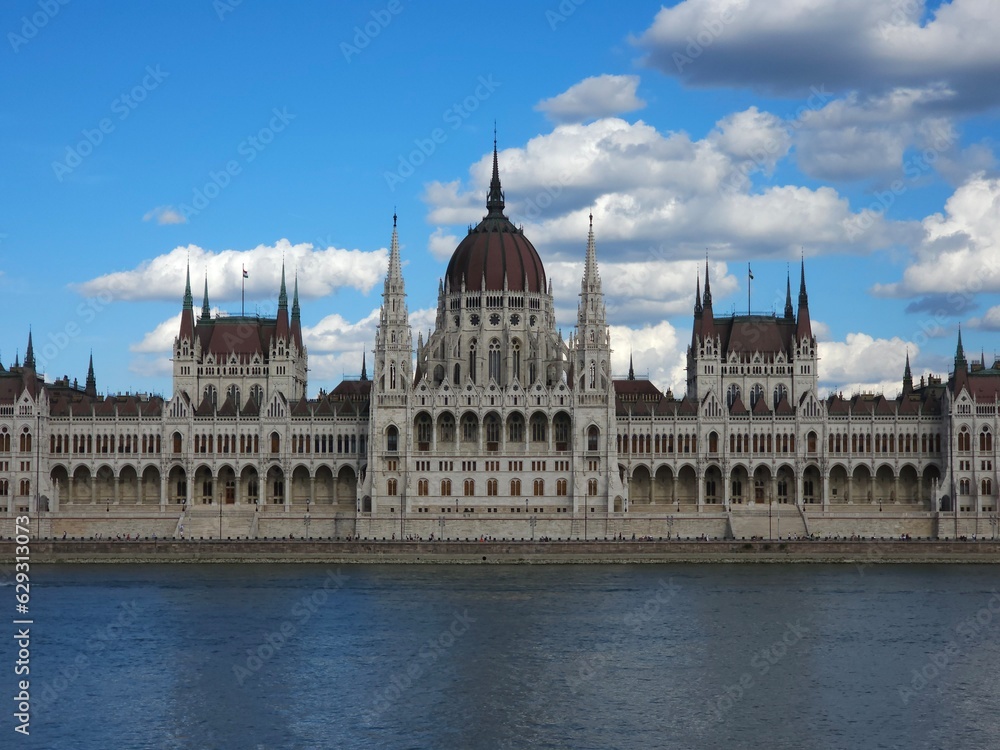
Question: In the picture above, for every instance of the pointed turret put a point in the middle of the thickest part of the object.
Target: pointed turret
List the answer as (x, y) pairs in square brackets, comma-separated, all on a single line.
[(697, 296), (187, 312), (29, 355), (281, 325), (364, 366), (296, 314), (206, 308), (91, 387), (907, 377), (394, 341), (631, 370), (804, 325), (593, 355), (494, 199), (789, 310), (960, 361), (707, 331)]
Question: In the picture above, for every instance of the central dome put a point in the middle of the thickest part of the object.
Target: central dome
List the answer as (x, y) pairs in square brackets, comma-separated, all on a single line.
[(495, 250)]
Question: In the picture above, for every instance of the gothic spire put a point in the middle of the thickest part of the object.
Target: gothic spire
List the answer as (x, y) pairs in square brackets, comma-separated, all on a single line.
[(803, 297), (295, 299), (707, 297), (188, 298), (282, 293), (631, 370), (29, 355), (364, 367), (907, 376), (494, 200), (591, 276), (789, 310), (91, 387), (206, 309), (960, 352), (803, 328), (697, 296), (394, 279)]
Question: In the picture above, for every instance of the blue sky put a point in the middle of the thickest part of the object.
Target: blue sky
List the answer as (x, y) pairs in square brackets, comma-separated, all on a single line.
[(860, 134)]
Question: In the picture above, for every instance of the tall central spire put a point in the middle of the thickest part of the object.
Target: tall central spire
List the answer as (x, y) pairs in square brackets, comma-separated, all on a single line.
[(494, 200)]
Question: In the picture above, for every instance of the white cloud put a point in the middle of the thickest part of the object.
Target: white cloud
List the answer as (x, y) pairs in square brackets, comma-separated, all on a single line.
[(656, 352), (959, 252), (862, 363), (598, 96), (160, 339), (441, 244), (321, 272), (148, 366), (659, 195), (165, 215), (787, 46)]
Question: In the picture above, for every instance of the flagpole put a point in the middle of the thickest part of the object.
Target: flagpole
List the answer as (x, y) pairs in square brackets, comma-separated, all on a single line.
[(749, 279), (243, 293)]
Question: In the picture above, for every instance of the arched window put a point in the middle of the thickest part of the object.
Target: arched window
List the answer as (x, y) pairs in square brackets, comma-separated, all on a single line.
[(25, 441), (445, 487), (756, 394), (392, 439), (964, 439), (986, 440), (562, 487), (392, 375), (275, 442), (424, 432), (457, 379), (233, 392), (257, 394), (423, 487), (593, 374), (470, 487), (591, 487), (492, 487), (539, 487), (470, 428), (515, 487), (494, 357), (538, 428), (213, 396), (472, 360), (593, 436), (515, 359), (515, 428), (987, 487), (491, 425), (390, 487)]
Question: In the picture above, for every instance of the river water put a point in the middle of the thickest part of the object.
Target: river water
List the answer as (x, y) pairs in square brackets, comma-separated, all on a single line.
[(468, 657)]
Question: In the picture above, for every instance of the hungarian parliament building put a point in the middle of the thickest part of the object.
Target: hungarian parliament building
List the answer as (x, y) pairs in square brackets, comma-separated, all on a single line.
[(496, 426)]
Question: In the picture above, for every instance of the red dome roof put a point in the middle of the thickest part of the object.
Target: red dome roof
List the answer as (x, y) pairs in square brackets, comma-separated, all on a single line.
[(495, 249)]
